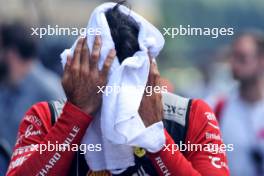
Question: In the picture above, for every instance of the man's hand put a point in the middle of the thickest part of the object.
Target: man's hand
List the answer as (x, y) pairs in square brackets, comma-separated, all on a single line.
[(81, 75), (151, 109)]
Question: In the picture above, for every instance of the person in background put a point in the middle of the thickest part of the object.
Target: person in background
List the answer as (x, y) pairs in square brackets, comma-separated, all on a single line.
[(24, 81), (241, 114)]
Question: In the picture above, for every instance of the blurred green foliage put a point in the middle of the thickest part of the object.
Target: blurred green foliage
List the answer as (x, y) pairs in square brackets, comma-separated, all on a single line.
[(185, 50)]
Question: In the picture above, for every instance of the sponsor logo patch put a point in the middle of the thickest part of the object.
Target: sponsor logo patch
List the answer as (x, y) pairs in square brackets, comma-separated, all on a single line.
[(139, 152), (98, 173)]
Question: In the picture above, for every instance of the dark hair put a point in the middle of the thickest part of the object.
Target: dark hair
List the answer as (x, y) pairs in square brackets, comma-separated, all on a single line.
[(124, 31), (18, 37)]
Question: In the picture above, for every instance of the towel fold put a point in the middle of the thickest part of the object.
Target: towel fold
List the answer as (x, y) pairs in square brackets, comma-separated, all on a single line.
[(117, 125)]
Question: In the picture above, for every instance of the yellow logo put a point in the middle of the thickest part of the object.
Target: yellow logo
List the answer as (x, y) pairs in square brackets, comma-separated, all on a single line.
[(98, 173), (140, 152)]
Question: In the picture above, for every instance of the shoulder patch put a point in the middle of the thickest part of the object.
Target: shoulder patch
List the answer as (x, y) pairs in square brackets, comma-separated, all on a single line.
[(175, 108), (56, 108)]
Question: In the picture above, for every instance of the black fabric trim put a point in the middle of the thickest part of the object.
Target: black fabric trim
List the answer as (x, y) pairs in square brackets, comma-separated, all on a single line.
[(177, 131), (52, 113), (140, 163), (187, 119)]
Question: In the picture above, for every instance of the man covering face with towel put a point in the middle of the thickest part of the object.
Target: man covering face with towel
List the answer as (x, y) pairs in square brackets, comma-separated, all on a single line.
[(137, 133)]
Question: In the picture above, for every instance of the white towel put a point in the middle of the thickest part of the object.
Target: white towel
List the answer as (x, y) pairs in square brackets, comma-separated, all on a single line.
[(118, 126)]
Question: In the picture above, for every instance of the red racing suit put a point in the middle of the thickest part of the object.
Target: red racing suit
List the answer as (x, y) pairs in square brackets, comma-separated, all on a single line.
[(36, 128)]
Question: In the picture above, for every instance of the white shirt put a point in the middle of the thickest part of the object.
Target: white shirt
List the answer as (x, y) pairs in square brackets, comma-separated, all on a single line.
[(242, 124)]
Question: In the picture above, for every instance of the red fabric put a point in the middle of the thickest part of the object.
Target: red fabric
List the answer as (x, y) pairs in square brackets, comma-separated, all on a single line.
[(203, 163), (36, 128), (219, 109)]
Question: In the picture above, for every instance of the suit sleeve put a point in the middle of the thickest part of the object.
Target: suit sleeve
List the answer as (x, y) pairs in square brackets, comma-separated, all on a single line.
[(203, 152), (30, 157)]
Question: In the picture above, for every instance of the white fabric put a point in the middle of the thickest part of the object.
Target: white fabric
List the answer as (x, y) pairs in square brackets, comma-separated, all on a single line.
[(118, 125)]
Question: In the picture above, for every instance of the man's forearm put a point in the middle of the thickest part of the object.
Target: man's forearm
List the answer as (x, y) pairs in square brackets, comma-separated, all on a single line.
[(69, 129), (168, 163)]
